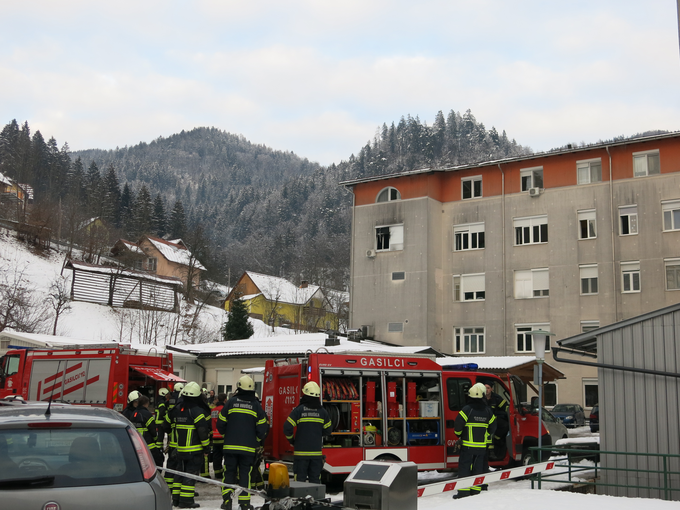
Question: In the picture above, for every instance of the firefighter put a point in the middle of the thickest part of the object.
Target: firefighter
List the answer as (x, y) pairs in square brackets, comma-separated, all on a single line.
[(160, 412), (244, 425), (133, 402), (205, 470), (313, 423), (256, 479), (217, 438), (192, 431), (174, 395), (499, 406), (145, 423), (474, 425)]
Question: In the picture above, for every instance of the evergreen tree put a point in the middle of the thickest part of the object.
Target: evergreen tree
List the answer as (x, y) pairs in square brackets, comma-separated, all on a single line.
[(111, 197), (178, 221), (158, 219), (127, 204), (93, 187), (143, 212), (237, 326)]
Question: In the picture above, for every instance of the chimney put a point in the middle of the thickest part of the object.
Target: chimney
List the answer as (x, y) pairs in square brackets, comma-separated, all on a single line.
[(304, 284)]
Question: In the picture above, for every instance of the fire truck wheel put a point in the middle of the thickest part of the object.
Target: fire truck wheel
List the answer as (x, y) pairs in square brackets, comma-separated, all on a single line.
[(527, 459), (387, 456)]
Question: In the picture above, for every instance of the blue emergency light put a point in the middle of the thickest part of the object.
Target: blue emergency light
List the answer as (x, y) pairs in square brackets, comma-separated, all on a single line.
[(462, 366)]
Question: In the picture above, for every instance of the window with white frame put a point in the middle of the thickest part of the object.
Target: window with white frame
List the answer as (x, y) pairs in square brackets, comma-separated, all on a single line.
[(471, 187), (389, 238), (468, 237), (672, 274), (532, 283), (589, 326), (395, 327), (469, 287), (531, 178), (533, 230), (389, 195), (469, 340), (589, 171), (590, 392), (628, 220), (151, 264), (524, 341), (630, 276), (588, 278), (587, 224), (646, 163), (671, 214)]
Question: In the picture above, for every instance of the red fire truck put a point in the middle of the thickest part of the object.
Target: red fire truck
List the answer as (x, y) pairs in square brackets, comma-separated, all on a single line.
[(95, 375), (386, 406)]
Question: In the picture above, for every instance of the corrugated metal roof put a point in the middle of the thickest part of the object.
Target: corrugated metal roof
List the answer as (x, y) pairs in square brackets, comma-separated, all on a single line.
[(281, 290), (93, 268)]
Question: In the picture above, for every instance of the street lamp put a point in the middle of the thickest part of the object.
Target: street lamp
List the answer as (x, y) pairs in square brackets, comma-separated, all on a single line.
[(540, 339)]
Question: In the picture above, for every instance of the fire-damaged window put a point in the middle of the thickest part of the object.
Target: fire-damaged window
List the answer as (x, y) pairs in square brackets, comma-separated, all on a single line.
[(389, 238)]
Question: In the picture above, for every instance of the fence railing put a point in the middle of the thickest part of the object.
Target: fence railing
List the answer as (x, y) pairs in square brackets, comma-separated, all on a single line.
[(661, 477)]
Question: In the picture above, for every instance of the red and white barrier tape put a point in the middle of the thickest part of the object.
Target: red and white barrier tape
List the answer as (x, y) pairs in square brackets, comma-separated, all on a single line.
[(494, 476)]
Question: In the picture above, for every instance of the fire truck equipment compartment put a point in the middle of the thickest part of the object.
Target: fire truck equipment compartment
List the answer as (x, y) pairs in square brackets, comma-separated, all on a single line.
[(378, 485)]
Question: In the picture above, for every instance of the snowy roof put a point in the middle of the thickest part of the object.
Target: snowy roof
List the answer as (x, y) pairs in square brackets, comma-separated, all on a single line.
[(279, 289), (294, 345), (93, 268), (174, 252), (131, 246), (4, 180), (521, 366)]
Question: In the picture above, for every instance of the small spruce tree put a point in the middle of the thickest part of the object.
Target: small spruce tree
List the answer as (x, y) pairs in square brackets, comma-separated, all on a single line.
[(237, 326)]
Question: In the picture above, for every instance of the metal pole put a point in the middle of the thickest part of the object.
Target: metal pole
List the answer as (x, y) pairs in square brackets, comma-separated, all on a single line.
[(540, 407)]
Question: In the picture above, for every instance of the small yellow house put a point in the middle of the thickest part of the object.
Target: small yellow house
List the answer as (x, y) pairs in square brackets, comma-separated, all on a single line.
[(164, 258), (278, 302)]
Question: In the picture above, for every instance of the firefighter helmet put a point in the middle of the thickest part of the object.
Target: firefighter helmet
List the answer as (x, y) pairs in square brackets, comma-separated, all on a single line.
[(163, 392), (178, 387), (192, 389), (133, 395), (206, 391), (312, 389), (246, 383), (477, 391)]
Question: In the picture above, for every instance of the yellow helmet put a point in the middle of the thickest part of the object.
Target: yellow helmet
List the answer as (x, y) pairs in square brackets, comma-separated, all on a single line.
[(312, 389), (477, 391), (163, 392), (133, 395), (192, 389), (178, 387), (246, 383)]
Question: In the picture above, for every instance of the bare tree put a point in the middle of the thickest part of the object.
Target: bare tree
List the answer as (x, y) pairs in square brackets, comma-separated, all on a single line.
[(20, 308), (58, 299)]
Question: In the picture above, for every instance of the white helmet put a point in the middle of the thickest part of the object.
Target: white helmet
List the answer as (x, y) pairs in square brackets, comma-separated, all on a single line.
[(246, 383), (133, 395), (192, 389), (163, 392), (477, 391), (178, 387), (312, 389)]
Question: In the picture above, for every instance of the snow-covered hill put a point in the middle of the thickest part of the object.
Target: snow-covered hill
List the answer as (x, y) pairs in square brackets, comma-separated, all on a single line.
[(37, 271)]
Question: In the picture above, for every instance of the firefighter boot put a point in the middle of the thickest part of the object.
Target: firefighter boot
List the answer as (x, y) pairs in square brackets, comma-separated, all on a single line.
[(226, 505)]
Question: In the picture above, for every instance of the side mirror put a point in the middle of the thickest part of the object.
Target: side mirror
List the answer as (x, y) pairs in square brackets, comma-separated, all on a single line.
[(534, 402)]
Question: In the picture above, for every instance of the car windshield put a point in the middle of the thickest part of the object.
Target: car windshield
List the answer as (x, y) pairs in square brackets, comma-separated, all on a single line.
[(66, 458), (564, 408)]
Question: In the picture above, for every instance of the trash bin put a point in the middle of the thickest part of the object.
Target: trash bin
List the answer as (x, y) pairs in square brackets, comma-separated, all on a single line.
[(382, 485)]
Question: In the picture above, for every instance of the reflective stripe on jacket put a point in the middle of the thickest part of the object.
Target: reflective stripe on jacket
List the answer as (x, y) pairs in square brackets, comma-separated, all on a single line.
[(243, 423), (192, 428), (475, 425), (312, 424)]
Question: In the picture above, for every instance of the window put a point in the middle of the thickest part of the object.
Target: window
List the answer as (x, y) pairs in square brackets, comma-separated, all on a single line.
[(468, 287), (550, 394), (151, 264), (390, 238), (469, 340), (588, 279), (589, 171), (589, 326), (389, 195), (398, 275), (672, 274), (590, 392), (395, 327), (587, 228), (523, 334), (472, 187), (468, 237), (630, 276), (532, 230), (628, 220), (646, 163), (531, 283), (457, 389), (531, 178), (671, 214)]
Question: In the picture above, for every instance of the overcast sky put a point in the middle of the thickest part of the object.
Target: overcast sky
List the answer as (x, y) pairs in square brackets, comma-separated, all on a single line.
[(319, 77)]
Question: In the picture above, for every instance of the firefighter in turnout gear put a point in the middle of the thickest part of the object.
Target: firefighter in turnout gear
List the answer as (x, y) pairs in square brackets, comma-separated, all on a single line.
[(145, 423), (192, 432), (205, 470), (217, 438), (174, 395), (244, 425), (313, 423), (474, 425), (133, 402), (499, 406), (160, 412)]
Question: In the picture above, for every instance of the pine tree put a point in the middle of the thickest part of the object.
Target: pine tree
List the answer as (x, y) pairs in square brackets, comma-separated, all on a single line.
[(237, 326), (142, 212), (158, 220), (111, 197), (127, 201), (178, 221)]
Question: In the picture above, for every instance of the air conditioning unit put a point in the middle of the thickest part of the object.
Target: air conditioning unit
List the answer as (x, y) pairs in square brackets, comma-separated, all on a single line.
[(371, 253), (367, 331), (534, 192)]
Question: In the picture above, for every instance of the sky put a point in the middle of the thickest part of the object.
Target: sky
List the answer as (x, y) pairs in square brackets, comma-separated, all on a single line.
[(319, 78)]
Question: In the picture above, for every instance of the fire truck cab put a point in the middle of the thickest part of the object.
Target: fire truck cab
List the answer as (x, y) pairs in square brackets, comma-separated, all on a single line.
[(386, 406)]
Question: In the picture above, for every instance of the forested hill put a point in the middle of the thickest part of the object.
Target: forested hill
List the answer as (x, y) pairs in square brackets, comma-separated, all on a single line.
[(244, 206)]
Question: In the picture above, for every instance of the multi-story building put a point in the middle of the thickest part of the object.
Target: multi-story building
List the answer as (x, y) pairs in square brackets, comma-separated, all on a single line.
[(471, 259)]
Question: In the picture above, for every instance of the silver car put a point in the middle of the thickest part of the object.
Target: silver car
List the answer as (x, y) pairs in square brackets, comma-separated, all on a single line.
[(75, 458)]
